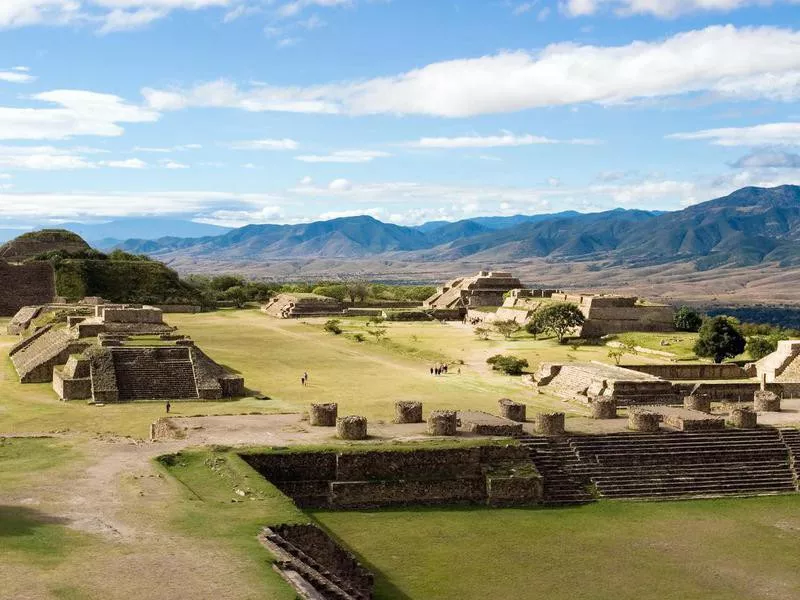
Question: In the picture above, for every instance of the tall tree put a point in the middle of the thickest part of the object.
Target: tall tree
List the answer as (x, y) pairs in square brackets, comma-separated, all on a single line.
[(719, 339), (561, 318)]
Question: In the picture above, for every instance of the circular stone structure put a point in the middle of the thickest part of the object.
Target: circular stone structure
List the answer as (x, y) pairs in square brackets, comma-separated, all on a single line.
[(764, 401), (352, 427), (699, 402), (515, 411), (641, 420), (743, 418), (442, 422), (604, 408), (407, 412), (323, 415), (550, 423)]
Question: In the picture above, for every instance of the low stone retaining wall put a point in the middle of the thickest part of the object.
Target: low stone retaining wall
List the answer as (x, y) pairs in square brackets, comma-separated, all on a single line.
[(691, 372), (496, 475)]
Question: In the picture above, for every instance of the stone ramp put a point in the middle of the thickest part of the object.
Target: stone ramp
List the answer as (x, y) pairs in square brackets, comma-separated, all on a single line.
[(154, 373), (22, 319), (34, 361)]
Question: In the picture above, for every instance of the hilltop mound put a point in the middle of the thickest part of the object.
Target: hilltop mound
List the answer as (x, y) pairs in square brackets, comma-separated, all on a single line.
[(35, 243)]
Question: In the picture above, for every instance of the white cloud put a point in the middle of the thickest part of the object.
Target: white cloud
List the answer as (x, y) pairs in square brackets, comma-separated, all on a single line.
[(17, 75), (344, 156), (770, 158), (129, 163), (522, 8), (171, 164), (758, 135), (266, 144), (306, 180), (291, 9), (42, 158), (339, 185), (167, 149), (375, 212), (664, 9), (493, 141), (79, 113), (730, 62)]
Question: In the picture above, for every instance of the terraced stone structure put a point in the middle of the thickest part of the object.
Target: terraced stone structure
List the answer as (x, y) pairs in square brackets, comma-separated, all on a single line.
[(28, 284), (487, 288), (35, 356), (297, 306)]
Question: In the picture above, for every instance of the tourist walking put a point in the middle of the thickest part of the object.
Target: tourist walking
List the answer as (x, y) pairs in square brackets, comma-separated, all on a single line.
[(168, 406)]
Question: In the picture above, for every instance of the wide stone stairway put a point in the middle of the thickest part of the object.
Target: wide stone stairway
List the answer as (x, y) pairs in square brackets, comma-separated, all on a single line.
[(565, 478), (791, 437), (678, 465), (154, 373)]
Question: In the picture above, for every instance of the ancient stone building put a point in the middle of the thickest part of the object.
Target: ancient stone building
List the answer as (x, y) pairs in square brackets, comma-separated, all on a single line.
[(295, 306), (783, 365), (487, 288), (25, 284)]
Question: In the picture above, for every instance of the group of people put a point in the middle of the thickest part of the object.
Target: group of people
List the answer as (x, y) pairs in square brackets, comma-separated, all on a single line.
[(304, 379), (440, 370), (471, 321)]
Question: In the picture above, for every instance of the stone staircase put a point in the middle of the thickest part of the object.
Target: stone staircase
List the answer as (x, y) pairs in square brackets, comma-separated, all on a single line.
[(565, 478), (686, 465), (154, 374), (791, 437), (49, 345)]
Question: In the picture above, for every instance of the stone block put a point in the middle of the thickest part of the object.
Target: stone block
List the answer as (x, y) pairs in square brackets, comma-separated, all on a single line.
[(549, 423), (604, 408), (323, 415), (743, 418), (641, 420), (407, 412), (514, 411), (352, 427), (699, 402), (442, 422), (766, 401)]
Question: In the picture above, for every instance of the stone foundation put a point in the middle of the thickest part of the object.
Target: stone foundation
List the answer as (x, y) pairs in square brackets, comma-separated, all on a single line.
[(407, 412), (743, 418), (351, 428), (604, 408), (549, 423), (698, 402), (323, 415), (514, 411), (442, 422), (639, 420), (765, 401)]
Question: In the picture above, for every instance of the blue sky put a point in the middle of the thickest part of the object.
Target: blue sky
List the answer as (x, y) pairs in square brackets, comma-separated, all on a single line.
[(248, 111)]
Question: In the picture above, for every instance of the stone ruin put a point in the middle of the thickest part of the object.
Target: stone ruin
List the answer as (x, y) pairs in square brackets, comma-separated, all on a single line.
[(297, 306), (28, 284), (352, 427), (781, 366), (442, 422), (107, 358), (487, 288), (323, 415), (604, 314), (407, 412)]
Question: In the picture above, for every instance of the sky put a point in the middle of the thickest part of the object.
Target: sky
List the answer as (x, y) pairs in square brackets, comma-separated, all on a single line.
[(232, 112)]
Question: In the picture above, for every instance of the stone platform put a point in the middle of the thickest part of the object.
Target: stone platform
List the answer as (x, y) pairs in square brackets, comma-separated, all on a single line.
[(484, 423)]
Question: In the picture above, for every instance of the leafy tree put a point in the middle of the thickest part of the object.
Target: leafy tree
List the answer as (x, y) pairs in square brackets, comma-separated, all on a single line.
[(332, 326), (378, 332), (482, 333), (358, 291), (508, 364), (616, 354), (337, 290), (535, 325), (758, 346), (507, 328), (224, 282), (560, 318), (719, 339), (687, 319), (236, 294)]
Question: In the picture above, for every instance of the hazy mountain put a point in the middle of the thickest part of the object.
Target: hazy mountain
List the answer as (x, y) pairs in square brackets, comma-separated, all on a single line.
[(748, 227), (110, 233)]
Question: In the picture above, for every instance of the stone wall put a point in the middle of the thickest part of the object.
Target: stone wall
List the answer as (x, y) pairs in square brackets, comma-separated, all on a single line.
[(130, 314), (692, 372), (178, 308), (71, 388), (399, 477), (25, 285)]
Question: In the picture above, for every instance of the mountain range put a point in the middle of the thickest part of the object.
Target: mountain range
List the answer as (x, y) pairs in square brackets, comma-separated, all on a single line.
[(748, 227)]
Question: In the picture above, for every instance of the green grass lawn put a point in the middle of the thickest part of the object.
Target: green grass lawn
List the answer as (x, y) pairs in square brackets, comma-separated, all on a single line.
[(712, 549)]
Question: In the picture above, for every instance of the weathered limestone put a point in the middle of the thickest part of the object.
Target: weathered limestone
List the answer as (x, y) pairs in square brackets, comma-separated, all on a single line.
[(352, 427), (442, 422), (686, 419), (699, 402), (295, 306), (549, 423), (484, 423), (766, 401), (487, 288), (27, 284), (743, 418), (515, 411), (640, 420), (323, 415), (604, 408), (407, 412)]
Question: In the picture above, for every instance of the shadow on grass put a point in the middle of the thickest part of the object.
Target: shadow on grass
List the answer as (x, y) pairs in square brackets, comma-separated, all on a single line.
[(18, 521)]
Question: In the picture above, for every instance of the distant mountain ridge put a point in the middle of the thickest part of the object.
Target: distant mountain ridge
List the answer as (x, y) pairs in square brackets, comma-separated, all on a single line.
[(747, 227)]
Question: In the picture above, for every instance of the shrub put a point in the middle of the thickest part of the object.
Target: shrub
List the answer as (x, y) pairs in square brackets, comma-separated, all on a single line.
[(687, 319), (359, 337), (332, 326), (482, 333), (508, 364), (535, 326), (758, 347), (507, 328)]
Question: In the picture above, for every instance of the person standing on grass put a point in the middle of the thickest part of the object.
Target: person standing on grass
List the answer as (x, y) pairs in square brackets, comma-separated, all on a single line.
[(168, 406), (305, 376)]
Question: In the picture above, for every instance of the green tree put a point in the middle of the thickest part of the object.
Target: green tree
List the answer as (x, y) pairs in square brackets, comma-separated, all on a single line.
[(357, 291), (687, 319), (507, 327), (236, 294), (224, 282), (535, 325), (336, 290), (758, 346), (482, 333), (561, 318), (508, 364), (719, 339)]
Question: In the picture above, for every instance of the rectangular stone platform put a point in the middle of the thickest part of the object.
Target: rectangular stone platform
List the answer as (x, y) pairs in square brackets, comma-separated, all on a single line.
[(484, 423), (685, 419)]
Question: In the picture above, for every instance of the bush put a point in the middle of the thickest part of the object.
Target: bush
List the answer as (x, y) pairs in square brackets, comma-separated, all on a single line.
[(719, 339), (359, 337), (687, 319), (510, 365), (332, 326), (758, 347), (507, 328), (535, 326)]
